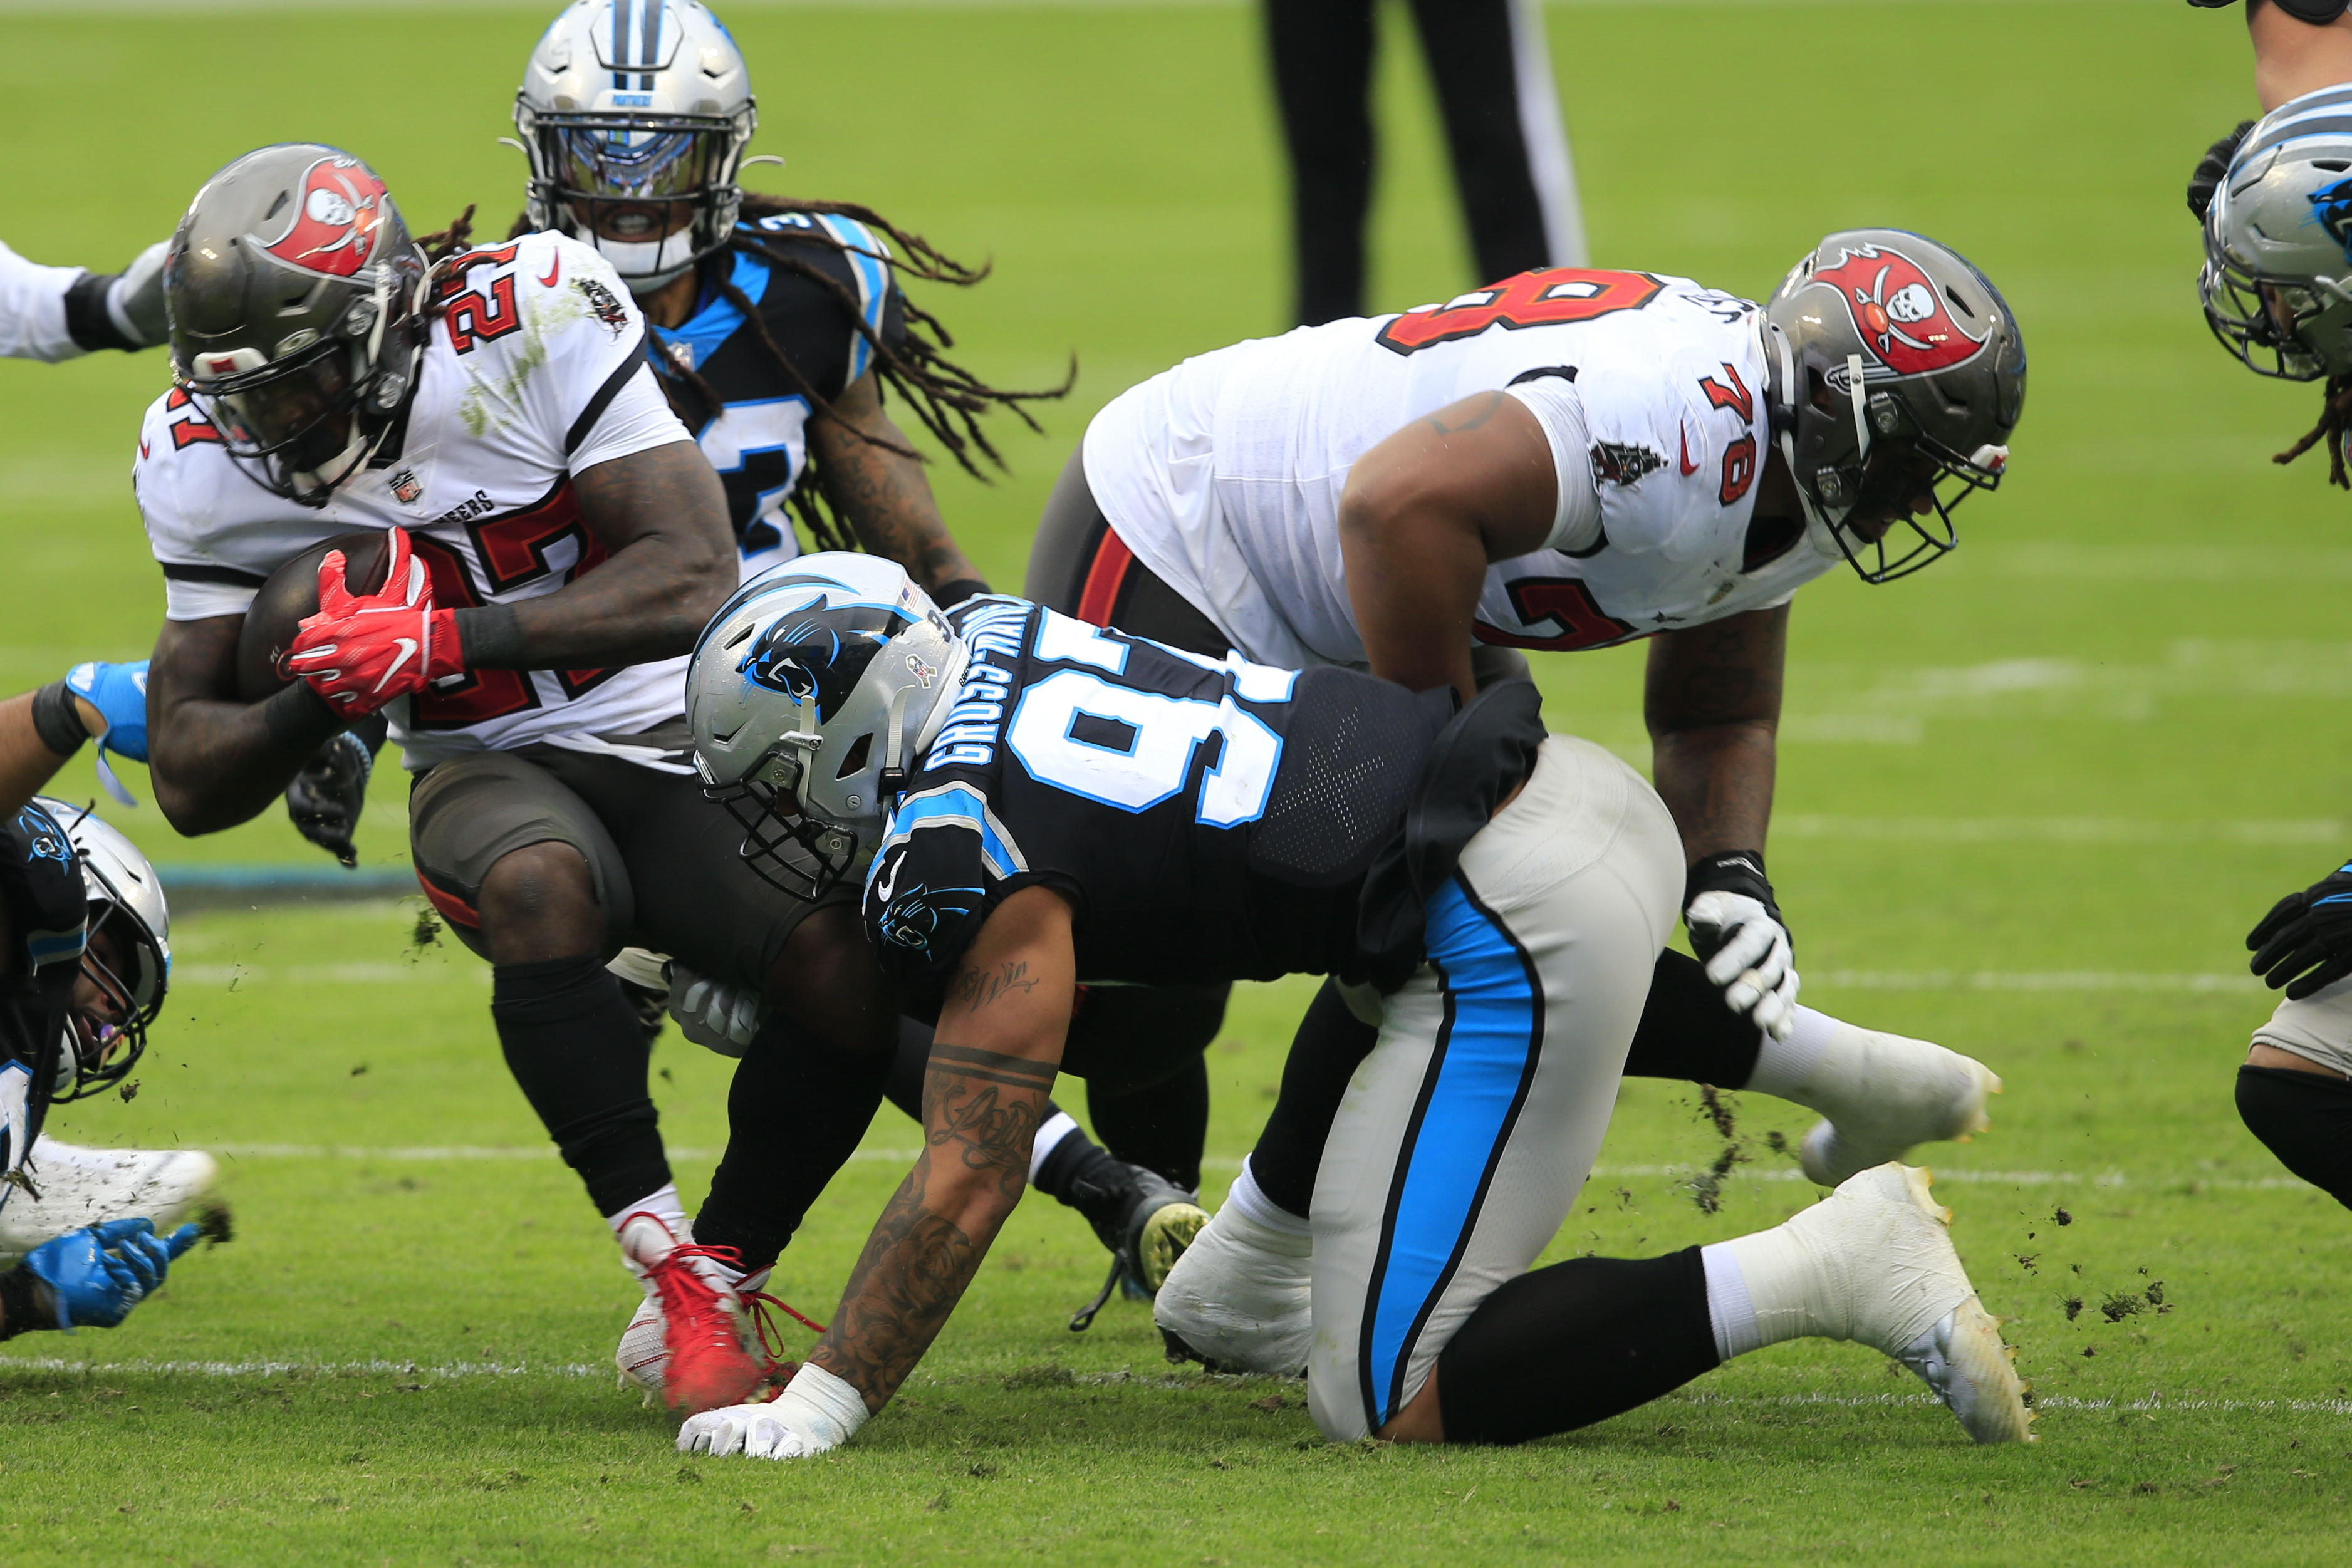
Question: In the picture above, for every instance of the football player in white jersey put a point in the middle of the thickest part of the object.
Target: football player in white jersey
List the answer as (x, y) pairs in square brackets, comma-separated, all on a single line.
[(487, 427), (1569, 459)]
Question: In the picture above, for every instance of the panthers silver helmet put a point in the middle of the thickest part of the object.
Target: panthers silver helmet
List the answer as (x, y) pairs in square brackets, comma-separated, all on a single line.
[(812, 693), (126, 901), (2277, 279), (1896, 372), (297, 301), (635, 114)]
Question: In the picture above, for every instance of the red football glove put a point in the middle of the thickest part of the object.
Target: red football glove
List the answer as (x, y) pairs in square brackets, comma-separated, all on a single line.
[(360, 651)]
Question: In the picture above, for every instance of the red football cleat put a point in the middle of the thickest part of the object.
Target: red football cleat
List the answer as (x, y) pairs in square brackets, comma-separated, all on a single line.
[(708, 1364)]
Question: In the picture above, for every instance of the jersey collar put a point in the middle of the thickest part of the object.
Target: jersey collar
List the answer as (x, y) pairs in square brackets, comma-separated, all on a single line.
[(715, 321)]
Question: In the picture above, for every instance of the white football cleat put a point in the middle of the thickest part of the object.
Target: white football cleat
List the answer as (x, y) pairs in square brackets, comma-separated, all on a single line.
[(1884, 1275), (1239, 1298), (1882, 1096), (82, 1186)]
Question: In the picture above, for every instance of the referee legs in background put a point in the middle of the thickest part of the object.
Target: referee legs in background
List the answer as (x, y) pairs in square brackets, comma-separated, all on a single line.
[(1502, 126)]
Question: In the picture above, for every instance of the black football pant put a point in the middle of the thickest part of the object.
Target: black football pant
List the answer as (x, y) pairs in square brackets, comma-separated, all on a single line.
[(1322, 57)]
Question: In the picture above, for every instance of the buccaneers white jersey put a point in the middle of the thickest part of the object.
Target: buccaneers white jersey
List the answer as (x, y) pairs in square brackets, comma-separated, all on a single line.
[(33, 308), (1223, 475), (536, 371)]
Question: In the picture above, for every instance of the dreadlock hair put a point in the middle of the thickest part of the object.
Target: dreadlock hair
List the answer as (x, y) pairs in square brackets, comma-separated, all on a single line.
[(2335, 424), (947, 399)]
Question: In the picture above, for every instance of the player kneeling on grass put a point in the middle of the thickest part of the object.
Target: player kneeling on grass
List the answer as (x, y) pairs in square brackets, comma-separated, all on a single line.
[(1047, 803), (82, 965), (2277, 209)]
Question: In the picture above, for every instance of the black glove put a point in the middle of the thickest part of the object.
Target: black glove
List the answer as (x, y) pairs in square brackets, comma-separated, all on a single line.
[(2212, 167), (325, 799), (2305, 942)]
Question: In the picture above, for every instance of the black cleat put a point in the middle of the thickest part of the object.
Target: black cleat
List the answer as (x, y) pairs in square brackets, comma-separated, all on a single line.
[(1146, 1223)]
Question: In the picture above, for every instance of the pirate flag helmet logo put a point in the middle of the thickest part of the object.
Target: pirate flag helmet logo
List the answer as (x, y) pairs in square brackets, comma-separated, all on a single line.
[(1902, 319), (336, 219)]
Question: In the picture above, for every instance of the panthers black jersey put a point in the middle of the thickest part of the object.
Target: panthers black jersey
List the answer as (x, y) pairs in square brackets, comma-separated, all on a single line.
[(41, 888), (1211, 820), (758, 440)]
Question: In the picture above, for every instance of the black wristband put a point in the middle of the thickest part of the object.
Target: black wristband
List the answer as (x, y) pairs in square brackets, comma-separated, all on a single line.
[(949, 594), (57, 720), (19, 1302), (298, 717), (1733, 870), (489, 638), (88, 321)]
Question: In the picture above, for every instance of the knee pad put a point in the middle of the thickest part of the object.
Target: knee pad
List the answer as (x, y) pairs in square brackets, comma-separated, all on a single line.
[(2306, 1120)]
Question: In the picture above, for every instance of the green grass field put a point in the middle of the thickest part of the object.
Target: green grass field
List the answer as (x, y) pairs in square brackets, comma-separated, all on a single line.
[(2030, 802)]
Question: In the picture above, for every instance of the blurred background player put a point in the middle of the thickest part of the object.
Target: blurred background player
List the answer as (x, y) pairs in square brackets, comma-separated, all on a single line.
[(1572, 459), (2278, 256), (776, 325), (1495, 895), (68, 1017), (1493, 75)]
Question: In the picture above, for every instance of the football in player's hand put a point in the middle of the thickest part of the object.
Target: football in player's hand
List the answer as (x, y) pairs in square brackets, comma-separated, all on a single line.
[(290, 596)]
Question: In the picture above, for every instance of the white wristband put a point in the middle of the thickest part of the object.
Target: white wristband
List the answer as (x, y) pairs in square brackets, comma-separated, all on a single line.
[(827, 1407)]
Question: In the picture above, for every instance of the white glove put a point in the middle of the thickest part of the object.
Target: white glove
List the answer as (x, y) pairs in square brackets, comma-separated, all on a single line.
[(712, 1013), (815, 1412), (1747, 953)]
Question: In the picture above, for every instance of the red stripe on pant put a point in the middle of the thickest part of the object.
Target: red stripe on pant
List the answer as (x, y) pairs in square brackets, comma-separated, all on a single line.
[(453, 909), (1099, 597)]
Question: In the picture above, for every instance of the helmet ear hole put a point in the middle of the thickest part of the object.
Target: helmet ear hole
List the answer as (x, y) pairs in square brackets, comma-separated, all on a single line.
[(854, 760)]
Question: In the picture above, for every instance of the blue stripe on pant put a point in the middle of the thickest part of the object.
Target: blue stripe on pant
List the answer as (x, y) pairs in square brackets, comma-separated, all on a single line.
[(1479, 1071)]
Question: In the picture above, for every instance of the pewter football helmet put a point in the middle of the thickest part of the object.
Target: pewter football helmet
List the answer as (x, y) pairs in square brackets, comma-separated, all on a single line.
[(631, 109), (1942, 372), (297, 303), (2277, 279), (815, 689), (126, 901)]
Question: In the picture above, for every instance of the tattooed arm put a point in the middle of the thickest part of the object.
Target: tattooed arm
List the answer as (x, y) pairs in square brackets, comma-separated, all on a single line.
[(994, 1058), (872, 477), (1713, 703), (1423, 515)]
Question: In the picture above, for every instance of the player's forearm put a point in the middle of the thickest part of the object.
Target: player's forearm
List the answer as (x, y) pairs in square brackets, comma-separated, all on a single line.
[(1717, 782), (1413, 582), (886, 499), (663, 515), (2292, 57), (916, 1264), (218, 764)]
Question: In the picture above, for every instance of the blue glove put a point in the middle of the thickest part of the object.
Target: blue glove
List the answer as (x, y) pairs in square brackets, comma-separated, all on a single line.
[(96, 1287), (119, 691)]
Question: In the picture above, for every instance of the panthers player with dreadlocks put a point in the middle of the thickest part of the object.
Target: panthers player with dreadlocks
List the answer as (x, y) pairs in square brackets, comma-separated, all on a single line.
[(2277, 208), (777, 325)]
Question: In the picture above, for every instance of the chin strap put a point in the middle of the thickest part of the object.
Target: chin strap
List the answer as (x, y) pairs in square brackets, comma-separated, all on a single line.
[(1857, 396)]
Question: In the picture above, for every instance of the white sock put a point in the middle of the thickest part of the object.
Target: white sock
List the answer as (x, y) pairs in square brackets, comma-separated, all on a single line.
[(1728, 1309), (1249, 1201), (1058, 1126), (663, 1205), (1784, 1066)]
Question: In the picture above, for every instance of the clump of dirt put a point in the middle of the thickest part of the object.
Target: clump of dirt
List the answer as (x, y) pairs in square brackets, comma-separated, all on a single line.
[(1706, 1187), (2122, 1304), (426, 932), (212, 1222)]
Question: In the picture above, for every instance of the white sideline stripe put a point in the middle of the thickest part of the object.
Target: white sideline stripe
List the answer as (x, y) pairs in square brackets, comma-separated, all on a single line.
[(474, 1151), (2139, 831), (2026, 980), (326, 974), (1851, 980), (2152, 1403), (306, 1368), (460, 1152)]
